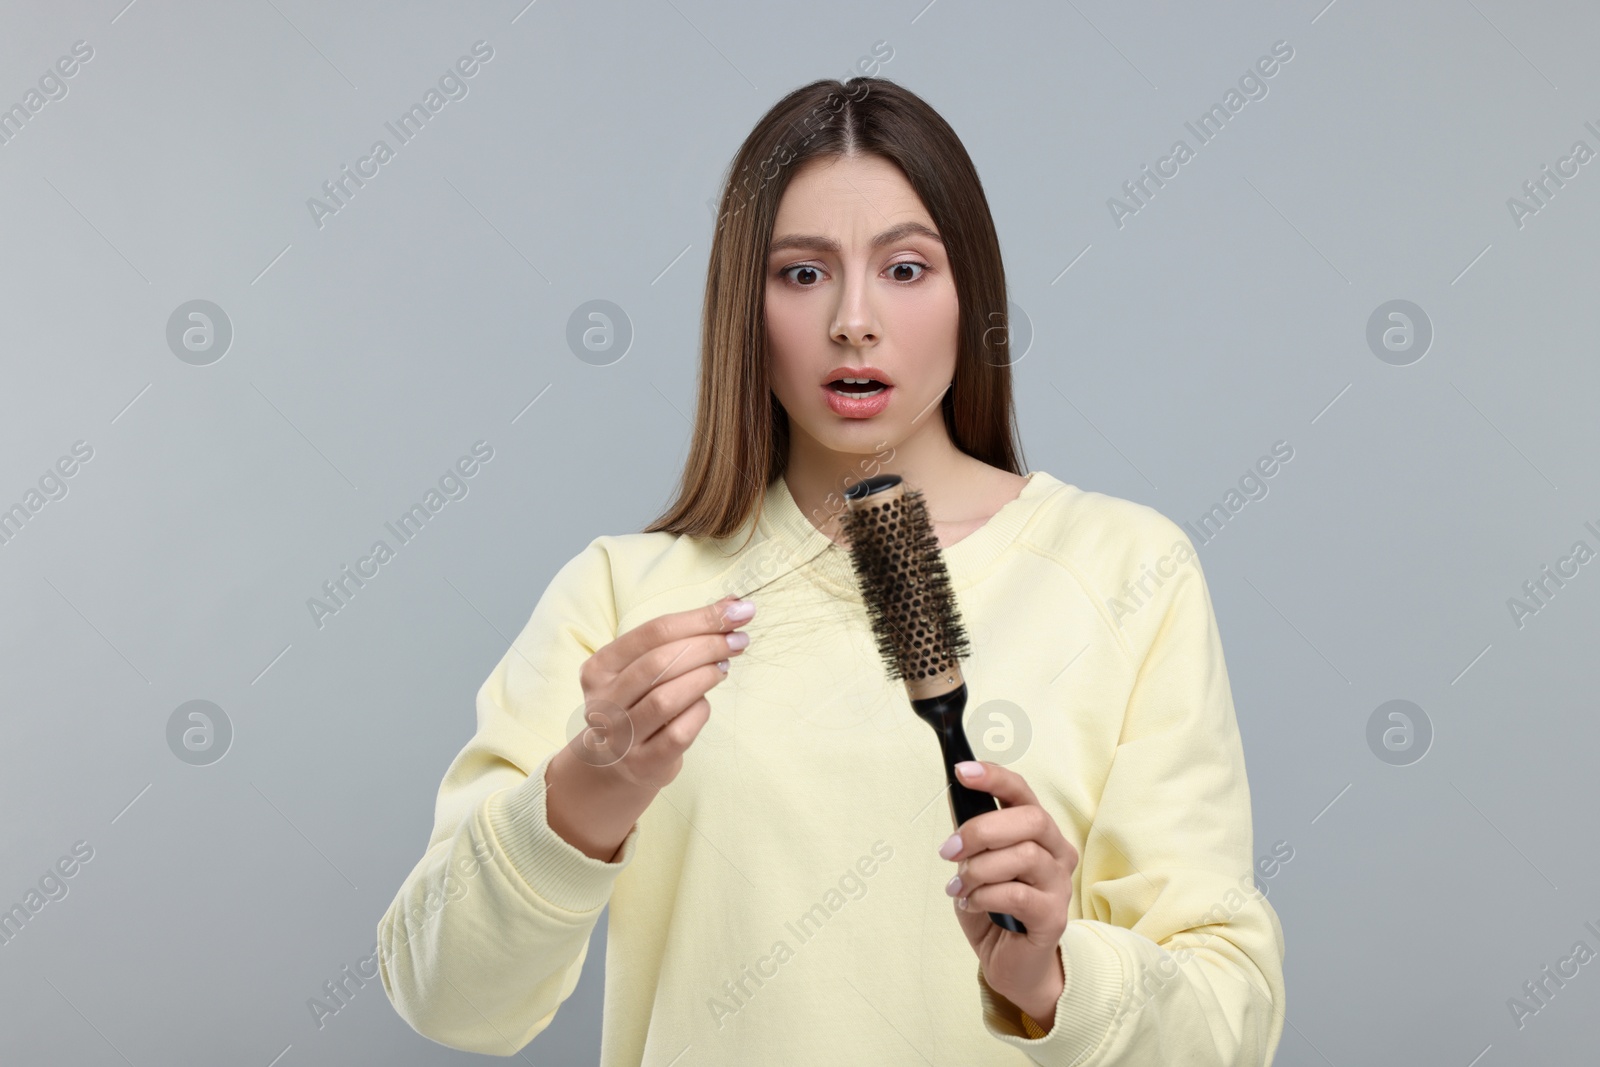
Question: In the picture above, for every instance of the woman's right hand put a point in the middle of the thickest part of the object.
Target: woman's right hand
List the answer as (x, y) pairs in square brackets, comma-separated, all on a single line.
[(645, 703)]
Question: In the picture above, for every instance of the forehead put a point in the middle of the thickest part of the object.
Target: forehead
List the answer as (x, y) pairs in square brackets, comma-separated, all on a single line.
[(850, 195)]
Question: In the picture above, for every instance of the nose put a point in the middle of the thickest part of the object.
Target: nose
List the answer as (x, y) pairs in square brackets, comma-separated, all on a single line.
[(855, 320)]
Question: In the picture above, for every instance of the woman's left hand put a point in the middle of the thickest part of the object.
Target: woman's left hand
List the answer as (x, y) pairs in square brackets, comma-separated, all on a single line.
[(1015, 861)]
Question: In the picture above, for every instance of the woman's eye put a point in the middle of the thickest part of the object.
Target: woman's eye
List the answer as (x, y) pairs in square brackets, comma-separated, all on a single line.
[(792, 273), (807, 276)]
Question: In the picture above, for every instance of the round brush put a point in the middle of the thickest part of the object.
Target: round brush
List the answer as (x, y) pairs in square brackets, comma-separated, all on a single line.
[(913, 613)]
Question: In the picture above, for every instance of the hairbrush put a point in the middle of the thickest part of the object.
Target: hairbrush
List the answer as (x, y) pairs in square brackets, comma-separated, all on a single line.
[(913, 614)]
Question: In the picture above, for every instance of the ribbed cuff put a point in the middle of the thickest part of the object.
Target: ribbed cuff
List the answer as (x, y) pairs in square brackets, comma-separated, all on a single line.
[(555, 870), (1088, 1004)]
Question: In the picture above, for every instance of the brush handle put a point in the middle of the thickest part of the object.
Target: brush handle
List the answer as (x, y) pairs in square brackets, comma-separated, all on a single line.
[(964, 802)]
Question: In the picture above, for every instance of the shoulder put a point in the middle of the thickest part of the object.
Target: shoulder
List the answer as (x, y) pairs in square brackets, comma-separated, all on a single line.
[(631, 555), (1100, 532), (1126, 554), (623, 559), (633, 569)]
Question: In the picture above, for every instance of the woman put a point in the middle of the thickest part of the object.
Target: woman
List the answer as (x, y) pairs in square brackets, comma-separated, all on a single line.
[(749, 790)]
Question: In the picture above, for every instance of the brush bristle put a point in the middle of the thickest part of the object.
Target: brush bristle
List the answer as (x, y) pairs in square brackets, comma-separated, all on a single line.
[(906, 587)]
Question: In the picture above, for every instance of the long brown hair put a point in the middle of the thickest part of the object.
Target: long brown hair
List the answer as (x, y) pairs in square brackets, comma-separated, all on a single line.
[(741, 432)]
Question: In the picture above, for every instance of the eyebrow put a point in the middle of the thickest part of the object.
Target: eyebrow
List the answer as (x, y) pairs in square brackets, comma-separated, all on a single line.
[(815, 243)]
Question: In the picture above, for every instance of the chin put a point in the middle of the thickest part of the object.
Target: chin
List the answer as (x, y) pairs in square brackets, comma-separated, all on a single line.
[(856, 436)]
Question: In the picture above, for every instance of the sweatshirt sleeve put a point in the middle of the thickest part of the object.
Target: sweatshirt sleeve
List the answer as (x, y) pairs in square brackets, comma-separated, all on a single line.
[(488, 933), (1178, 957)]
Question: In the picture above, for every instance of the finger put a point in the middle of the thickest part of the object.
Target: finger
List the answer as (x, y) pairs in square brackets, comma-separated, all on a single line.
[(648, 742), (1012, 791), (677, 735), (994, 830), (978, 927), (665, 703), (656, 764), (1034, 908), (615, 657), (668, 662), (1026, 861), (1002, 783)]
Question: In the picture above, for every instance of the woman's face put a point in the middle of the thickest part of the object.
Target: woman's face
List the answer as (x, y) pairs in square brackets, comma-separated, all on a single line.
[(858, 278)]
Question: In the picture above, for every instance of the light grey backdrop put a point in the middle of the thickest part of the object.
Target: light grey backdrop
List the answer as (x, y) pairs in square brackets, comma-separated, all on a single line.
[(1169, 346)]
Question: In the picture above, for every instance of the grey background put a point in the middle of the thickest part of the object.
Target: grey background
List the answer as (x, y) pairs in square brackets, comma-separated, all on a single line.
[(431, 311)]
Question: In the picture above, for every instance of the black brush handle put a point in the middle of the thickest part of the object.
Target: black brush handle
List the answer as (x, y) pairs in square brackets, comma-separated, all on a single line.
[(964, 802)]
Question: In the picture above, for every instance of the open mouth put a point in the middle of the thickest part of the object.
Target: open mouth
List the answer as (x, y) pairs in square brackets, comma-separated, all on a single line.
[(857, 387)]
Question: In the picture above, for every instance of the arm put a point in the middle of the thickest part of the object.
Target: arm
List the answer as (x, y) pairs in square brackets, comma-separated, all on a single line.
[(1178, 958), (488, 933)]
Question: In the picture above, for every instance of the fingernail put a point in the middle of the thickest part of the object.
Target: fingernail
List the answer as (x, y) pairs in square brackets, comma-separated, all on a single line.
[(738, 639), (962, 903), (951, 846), (722, 665), (953, 886), (739, 610), (969, 769)]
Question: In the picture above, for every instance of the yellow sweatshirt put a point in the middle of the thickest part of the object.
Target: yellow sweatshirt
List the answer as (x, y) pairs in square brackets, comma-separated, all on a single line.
[(782, 900)]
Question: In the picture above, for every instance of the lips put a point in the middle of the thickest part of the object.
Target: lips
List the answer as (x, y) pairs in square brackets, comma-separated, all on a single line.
[(857, 387), (858, 405), (872, 373)]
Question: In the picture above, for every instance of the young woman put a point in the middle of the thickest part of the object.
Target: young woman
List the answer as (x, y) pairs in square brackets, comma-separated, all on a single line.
[(746, 787)]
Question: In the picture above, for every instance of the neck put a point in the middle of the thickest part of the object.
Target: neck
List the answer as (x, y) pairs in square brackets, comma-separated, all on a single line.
[(818, 476)]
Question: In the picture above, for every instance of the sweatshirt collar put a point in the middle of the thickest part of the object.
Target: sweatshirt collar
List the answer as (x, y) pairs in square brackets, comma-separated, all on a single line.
[(791, 542)]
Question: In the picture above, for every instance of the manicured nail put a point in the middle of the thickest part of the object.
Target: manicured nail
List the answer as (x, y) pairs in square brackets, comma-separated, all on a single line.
[(722, 665), (962, 903), (739, 610), (969, 769), (738, 639), (951, 846), (953, 886)]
